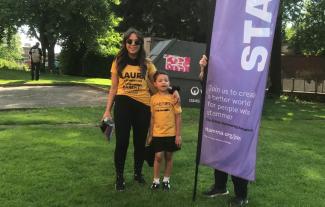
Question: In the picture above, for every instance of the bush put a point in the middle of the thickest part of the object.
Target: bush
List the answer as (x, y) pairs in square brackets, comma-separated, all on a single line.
[(98, 66), (6, 64), (95, 65)]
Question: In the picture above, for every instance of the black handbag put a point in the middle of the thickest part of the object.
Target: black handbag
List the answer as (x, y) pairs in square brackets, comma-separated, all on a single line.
[(107, 127)]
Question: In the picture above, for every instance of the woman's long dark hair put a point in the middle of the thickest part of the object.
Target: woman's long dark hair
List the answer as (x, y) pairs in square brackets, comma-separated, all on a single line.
[(122, 55)]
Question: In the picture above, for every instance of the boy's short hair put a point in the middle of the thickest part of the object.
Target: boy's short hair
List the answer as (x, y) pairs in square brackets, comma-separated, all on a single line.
[(159, 72)]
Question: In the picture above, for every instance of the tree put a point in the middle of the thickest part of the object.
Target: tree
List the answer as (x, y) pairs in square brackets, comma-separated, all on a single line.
[(79, 22), (8, 21), (182, 19), (85, 31), (11, 50), (289, 11), (275, 66), (309, 29)]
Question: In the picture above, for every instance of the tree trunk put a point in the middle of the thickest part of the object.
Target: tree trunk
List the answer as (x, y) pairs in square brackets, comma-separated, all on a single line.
[(84, 51), (44, 48), (51, 57), (275, 67)]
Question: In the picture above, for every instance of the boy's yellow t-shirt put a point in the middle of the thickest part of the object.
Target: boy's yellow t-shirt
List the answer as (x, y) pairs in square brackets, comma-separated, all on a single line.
[(132, 83), (163, 108)]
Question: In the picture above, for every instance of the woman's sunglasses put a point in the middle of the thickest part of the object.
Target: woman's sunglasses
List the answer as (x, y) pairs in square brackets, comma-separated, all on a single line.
[(131, 42)]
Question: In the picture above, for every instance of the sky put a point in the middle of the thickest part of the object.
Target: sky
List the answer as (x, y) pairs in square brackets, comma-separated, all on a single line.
[(25, 40)]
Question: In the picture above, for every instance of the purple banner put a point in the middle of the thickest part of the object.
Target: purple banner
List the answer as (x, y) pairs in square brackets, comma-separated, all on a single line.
[(239, 59)]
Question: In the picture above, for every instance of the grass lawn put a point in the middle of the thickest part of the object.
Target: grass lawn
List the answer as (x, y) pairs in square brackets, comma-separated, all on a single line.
[(58, 157), (15, 77)]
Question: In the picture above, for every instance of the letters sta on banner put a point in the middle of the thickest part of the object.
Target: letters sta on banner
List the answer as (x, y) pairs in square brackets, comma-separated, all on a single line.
[(177, 63), (236, 84)]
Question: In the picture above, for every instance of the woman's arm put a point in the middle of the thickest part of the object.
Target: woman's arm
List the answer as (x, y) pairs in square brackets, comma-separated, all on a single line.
[(178, 120), (149, 138), (111, 96)]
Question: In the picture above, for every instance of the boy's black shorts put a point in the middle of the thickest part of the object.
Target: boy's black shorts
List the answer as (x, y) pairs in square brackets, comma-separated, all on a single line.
[(166, 144)]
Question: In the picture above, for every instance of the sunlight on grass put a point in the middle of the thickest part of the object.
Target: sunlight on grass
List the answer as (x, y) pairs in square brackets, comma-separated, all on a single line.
[(290, 114), (11, 77), (286, 119), (285, 146), (312, 174), (73, 134)]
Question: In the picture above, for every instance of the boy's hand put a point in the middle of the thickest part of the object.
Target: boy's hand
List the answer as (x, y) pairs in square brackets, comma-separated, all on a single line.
[(178, 141)]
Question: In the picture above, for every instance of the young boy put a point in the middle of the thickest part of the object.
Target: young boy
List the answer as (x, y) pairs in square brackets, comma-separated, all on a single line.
[(165, 128)]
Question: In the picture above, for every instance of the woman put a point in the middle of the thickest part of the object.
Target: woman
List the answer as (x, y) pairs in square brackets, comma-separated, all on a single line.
[(130, 74)]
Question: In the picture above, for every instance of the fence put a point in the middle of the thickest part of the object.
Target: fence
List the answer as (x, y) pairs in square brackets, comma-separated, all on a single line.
[(300, 85)]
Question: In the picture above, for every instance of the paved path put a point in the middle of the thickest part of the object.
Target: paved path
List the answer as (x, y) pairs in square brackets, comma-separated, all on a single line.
[(50, 96)]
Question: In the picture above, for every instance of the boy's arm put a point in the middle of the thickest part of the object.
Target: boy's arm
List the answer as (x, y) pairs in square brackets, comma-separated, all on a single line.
[(178, 120)]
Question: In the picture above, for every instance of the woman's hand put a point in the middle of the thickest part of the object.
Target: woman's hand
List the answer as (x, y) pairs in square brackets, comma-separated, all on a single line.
[(203, 63), (149, 139), (178, 141), (107, 114), (177, 97)]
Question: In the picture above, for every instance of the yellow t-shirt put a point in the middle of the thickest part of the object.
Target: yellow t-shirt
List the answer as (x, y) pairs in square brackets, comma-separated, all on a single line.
[(132, 83), (163, 108)]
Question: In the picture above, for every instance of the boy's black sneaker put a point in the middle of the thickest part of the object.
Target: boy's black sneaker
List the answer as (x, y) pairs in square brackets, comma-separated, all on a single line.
[(213, 192), (166, 186), (155, 186), (238, 202), (120, 184), (139, 178)]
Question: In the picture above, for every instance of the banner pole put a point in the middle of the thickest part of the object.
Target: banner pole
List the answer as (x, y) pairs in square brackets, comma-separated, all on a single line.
[(199, 141)]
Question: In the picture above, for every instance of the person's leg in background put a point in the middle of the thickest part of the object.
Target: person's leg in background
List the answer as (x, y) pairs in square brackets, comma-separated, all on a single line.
[(220, 184), (122, 134), (240, 188), (140, 123), (32, 70), (37, 70)]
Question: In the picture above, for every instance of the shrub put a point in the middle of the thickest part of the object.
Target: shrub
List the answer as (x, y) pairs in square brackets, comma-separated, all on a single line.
[(6, 64)]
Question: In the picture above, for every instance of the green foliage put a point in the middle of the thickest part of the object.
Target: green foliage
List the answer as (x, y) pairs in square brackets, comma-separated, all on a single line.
[(69, 63), (8, 19), (11, 53), (98, 66), (90, 32), (109, 44), (6, 64), (76, 24), (94, 65), (307, 34), (11, 49), (185, 19), (289, 34)]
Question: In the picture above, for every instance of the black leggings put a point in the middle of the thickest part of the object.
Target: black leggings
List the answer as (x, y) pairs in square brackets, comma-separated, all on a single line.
[(130, 113), (35, 70), (240, 184)]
